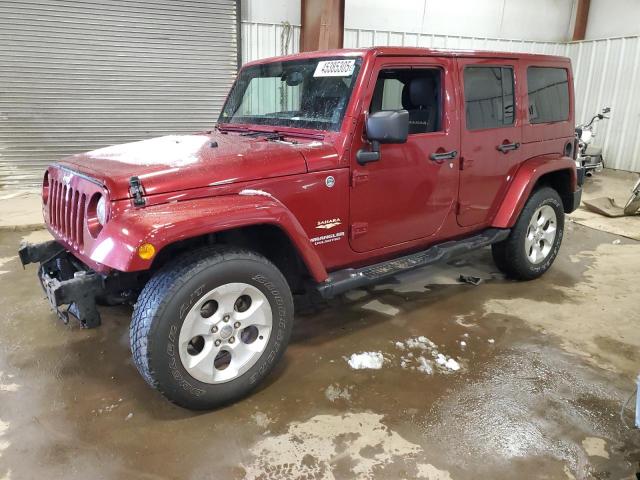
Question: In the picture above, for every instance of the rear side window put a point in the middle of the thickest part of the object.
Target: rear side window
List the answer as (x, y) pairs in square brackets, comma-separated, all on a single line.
[(548, 94), (488, 97)]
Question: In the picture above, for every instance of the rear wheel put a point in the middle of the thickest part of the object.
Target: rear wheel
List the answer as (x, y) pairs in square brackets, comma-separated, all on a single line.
[(535, 239), (208, 327)]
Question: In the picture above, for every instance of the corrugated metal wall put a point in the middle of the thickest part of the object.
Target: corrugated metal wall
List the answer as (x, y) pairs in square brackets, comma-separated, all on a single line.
[(606, 74), (262, 40), (80, 74)]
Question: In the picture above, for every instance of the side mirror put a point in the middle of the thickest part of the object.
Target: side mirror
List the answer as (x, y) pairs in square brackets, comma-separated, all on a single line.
[(390, 126)]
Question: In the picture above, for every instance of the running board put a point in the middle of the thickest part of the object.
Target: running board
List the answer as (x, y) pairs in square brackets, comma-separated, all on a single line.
[(341, 281)]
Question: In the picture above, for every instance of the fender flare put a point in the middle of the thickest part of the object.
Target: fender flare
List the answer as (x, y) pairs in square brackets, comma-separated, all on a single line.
[(165, 224), (523, 182)]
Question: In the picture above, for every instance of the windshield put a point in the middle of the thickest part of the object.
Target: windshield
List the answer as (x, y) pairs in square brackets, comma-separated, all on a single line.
[(311, 93)]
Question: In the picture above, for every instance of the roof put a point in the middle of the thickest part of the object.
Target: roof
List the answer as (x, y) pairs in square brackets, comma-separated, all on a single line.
[(411, 52)]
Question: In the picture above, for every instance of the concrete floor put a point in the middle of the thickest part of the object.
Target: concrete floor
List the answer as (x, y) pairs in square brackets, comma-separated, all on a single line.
[(546, 367)]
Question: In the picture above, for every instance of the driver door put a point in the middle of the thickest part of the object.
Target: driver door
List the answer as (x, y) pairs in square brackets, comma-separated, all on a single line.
[(408, 193)]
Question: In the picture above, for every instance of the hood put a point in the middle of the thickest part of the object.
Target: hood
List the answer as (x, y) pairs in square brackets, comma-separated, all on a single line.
[(178, 162)]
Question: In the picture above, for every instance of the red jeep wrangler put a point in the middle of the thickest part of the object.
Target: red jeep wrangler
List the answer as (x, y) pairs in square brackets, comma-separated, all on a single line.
[(326, 171)]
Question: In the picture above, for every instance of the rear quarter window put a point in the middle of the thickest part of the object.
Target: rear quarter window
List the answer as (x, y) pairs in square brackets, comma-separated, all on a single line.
[(548, 91)]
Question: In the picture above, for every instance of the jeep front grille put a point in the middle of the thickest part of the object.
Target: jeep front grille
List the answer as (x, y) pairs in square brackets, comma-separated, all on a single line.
[(67, 208)]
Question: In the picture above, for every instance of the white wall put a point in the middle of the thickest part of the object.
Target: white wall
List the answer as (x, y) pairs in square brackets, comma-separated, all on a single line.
[(541, 20), (613, 18), (270, 11)]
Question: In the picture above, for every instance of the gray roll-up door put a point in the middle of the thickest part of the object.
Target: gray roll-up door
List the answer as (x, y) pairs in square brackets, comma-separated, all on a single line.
[(81, 74)]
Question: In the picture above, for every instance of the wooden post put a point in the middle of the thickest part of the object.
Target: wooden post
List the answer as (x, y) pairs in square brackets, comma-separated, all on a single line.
[(322, 24)]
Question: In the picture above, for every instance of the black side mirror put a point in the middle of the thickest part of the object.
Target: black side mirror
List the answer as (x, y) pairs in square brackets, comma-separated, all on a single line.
[(391, 126)]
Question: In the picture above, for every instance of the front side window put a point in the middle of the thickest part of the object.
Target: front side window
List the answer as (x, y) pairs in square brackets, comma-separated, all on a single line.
[(312, 93), (548, 90), (488, 97), (417, 91)]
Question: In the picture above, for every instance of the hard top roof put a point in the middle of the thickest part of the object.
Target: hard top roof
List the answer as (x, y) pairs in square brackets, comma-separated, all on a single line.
[(412, 52)]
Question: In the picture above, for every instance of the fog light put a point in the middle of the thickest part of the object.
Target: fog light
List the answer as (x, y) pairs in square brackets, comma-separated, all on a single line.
[(146, 251)]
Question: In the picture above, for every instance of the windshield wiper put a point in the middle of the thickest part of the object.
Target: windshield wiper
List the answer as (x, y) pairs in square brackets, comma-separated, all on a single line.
[(267, 135)]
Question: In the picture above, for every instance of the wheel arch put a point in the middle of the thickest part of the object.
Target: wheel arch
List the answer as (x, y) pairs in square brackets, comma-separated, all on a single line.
[(258, 222), (268, 240), (556, 172)]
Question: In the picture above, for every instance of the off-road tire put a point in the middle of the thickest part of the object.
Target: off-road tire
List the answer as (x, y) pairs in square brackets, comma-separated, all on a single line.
[(159, 313), (510, 256)]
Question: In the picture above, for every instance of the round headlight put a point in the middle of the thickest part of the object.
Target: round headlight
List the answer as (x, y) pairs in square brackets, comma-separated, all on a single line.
[(101, 211)]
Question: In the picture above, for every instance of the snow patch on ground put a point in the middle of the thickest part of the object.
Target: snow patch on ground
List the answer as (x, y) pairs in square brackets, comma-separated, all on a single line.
[(170, 150), (425, 366), (310, 449), (335, 392), (447, 362), (421, 354), (360, 361), (378, 306), (261, 419)]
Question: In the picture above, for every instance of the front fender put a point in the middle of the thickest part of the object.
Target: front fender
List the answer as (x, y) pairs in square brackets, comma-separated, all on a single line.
[(162, 225), (523, 182)]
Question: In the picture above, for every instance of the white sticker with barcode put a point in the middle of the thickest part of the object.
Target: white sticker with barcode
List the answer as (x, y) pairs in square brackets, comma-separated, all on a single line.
[(335, 68)]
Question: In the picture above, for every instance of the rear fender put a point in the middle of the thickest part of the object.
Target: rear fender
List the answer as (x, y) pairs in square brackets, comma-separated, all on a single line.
[(163, 225), (525, 180)]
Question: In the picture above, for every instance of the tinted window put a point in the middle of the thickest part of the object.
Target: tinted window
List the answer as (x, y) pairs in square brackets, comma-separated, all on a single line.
[(548, 94), (488, 97), (417, 91)]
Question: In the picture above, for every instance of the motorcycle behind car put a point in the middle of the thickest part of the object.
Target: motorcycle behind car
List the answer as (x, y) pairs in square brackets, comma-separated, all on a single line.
[(590, 156)]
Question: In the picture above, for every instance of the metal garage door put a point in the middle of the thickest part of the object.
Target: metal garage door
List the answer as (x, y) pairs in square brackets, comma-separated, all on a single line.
[(80, 74)]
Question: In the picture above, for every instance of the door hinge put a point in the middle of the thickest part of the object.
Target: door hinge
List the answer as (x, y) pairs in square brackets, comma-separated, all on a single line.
[(458, 206), (359, 177), (358, 229)]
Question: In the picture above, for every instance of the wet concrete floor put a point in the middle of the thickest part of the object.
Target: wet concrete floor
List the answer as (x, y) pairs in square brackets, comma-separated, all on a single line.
[(545, 367)]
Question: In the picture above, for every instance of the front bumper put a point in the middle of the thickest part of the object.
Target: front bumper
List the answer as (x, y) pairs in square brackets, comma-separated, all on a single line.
[(64, 284)]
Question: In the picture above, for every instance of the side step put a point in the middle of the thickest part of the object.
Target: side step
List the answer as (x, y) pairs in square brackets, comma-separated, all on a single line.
[(341, 281)]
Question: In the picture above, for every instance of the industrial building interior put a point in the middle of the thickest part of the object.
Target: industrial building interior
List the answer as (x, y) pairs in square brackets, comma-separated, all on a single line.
[(451, 371)]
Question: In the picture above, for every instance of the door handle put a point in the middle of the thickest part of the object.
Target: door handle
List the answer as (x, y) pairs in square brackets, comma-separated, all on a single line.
[(507, 147), (441, 157)]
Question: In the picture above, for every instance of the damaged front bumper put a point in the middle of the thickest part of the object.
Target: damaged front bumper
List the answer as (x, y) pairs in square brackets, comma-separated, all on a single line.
[(64, 284)]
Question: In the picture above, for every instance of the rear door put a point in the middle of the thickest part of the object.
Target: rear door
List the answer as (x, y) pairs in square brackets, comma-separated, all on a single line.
[(407, 194), (491, 136)]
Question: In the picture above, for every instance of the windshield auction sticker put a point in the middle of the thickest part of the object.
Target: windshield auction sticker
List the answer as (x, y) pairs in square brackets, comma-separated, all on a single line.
[(335, 68)]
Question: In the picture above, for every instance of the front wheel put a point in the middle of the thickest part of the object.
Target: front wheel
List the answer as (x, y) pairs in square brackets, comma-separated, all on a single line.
[(535, 239), (208, 327)]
